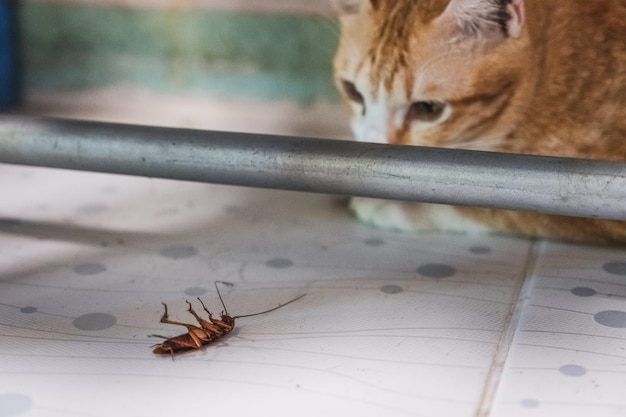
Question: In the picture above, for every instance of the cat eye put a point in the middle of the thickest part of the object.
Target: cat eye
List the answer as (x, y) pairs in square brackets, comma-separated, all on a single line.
[(425, 111), (352, 92)]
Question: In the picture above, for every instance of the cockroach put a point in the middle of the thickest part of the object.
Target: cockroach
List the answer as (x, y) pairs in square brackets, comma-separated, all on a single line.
[(209, 331)]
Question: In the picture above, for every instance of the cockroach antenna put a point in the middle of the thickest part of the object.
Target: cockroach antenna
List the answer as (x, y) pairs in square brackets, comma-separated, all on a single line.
[(208, 331), (271, 309), (219, 294), (230, 284)]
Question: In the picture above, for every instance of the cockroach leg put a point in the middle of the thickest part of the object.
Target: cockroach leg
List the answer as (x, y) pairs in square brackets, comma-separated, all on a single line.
[(204, 307), (165, 319), (164, 316), (193, 313)]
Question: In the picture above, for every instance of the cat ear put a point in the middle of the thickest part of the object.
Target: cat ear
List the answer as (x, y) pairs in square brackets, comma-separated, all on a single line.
[(479, 16), (353, 6), (516, 17)]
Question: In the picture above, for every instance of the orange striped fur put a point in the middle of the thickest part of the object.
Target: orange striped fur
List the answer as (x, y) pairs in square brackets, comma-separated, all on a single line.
[(525, 76)]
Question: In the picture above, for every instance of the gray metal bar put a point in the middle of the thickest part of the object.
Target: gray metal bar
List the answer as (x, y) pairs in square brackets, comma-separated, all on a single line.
[(519, 182)]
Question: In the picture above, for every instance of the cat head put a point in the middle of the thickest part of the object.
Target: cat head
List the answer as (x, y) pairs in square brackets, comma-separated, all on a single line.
[(446, 73)]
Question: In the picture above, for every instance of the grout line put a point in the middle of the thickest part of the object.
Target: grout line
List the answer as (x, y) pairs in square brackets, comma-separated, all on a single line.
[(500, 358)]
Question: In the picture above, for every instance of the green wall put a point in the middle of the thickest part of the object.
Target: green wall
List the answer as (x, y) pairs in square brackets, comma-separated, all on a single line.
[(70, 47)]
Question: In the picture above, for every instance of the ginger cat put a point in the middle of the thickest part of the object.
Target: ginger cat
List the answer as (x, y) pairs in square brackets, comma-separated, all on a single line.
[(524, 76)]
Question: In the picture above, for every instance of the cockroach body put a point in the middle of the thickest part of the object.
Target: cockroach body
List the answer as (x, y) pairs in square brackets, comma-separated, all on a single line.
[(197, 337)]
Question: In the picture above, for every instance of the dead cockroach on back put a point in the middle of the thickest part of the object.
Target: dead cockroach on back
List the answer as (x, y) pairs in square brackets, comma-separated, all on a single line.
[(213, 329)]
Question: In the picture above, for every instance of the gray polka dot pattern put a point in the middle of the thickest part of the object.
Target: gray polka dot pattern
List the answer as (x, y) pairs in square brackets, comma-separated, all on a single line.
[(90, 268), (95, 321), (480, 250), (28, 310), (611, 318), (179, 252), (584, 292), (572, 370), (437, 271), (92, 209), (529, 403), (232, 209), (279, 263), (615, 268), (109, 189), (391, 289), (14, 404), (195, 291), (374, 242)]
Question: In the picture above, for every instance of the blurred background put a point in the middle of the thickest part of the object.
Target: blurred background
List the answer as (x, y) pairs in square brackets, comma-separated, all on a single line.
[(245, 65)]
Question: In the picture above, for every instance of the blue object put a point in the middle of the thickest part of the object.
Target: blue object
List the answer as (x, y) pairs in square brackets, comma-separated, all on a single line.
[(9, 83)]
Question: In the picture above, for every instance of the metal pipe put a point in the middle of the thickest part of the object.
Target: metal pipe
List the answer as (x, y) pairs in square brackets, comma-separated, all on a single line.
[(518, 182)]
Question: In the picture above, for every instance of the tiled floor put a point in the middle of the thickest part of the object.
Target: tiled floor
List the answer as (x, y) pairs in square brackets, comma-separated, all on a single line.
[(391, 324)]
